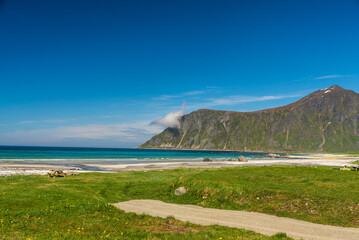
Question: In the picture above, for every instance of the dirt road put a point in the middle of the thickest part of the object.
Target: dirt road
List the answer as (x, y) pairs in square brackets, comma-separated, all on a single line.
[(258, 222)]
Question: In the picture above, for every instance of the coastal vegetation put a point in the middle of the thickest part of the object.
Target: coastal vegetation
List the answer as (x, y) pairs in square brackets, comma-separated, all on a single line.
[(75, 207)]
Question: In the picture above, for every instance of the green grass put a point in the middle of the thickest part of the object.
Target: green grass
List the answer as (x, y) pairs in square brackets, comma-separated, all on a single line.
[(77, 207)]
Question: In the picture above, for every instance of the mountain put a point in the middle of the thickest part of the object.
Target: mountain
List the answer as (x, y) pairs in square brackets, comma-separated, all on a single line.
[(324, 121)]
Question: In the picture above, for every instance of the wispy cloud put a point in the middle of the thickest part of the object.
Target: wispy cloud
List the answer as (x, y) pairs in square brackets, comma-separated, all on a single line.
[(238, 99), (136, 132), (332, 76), (232, 100), (185, 94), (46, 121)]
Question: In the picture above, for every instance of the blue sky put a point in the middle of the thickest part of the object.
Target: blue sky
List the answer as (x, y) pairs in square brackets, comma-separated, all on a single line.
[(96, 73)]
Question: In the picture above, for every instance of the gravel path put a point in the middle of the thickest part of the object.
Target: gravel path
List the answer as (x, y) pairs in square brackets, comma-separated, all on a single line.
[(258, 222)]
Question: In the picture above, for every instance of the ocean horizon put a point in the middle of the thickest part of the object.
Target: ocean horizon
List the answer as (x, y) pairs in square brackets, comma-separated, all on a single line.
[(115, 155)]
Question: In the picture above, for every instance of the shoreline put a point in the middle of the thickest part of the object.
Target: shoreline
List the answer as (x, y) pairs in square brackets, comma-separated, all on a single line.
[(38, 168), (209, 150)]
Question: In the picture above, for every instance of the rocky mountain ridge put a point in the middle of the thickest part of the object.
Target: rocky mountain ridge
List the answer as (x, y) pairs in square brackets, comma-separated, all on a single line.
[(324, 121)]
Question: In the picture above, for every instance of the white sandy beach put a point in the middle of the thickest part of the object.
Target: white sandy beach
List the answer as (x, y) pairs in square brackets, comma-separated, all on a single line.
[(7, 169)]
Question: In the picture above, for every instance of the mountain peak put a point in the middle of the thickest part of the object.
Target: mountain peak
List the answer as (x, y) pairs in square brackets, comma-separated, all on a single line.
[(337, 87), (323, 94), (334, 88)]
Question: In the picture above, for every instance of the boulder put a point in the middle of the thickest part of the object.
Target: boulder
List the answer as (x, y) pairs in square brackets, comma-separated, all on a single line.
[(180, 191), (207, 160), (273, 155), (231, 160), (56, 173), (242, 159)]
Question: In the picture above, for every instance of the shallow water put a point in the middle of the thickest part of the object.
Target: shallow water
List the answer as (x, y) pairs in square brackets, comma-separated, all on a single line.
[(112, 155)]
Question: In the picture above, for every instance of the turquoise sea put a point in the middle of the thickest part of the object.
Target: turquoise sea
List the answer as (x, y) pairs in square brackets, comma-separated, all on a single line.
[(113, 155)]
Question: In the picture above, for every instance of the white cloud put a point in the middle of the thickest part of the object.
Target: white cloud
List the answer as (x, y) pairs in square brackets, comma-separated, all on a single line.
[(46, 121), (332, 76), (193, 93), (130, 132), (171, 119), (185, 94), (238, 99)]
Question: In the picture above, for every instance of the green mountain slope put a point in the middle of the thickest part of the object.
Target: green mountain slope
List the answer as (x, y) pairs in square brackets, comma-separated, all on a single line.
[(326, 120)]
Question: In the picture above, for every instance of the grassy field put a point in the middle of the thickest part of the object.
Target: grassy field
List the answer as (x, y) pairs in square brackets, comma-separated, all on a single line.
[(75, 207)]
